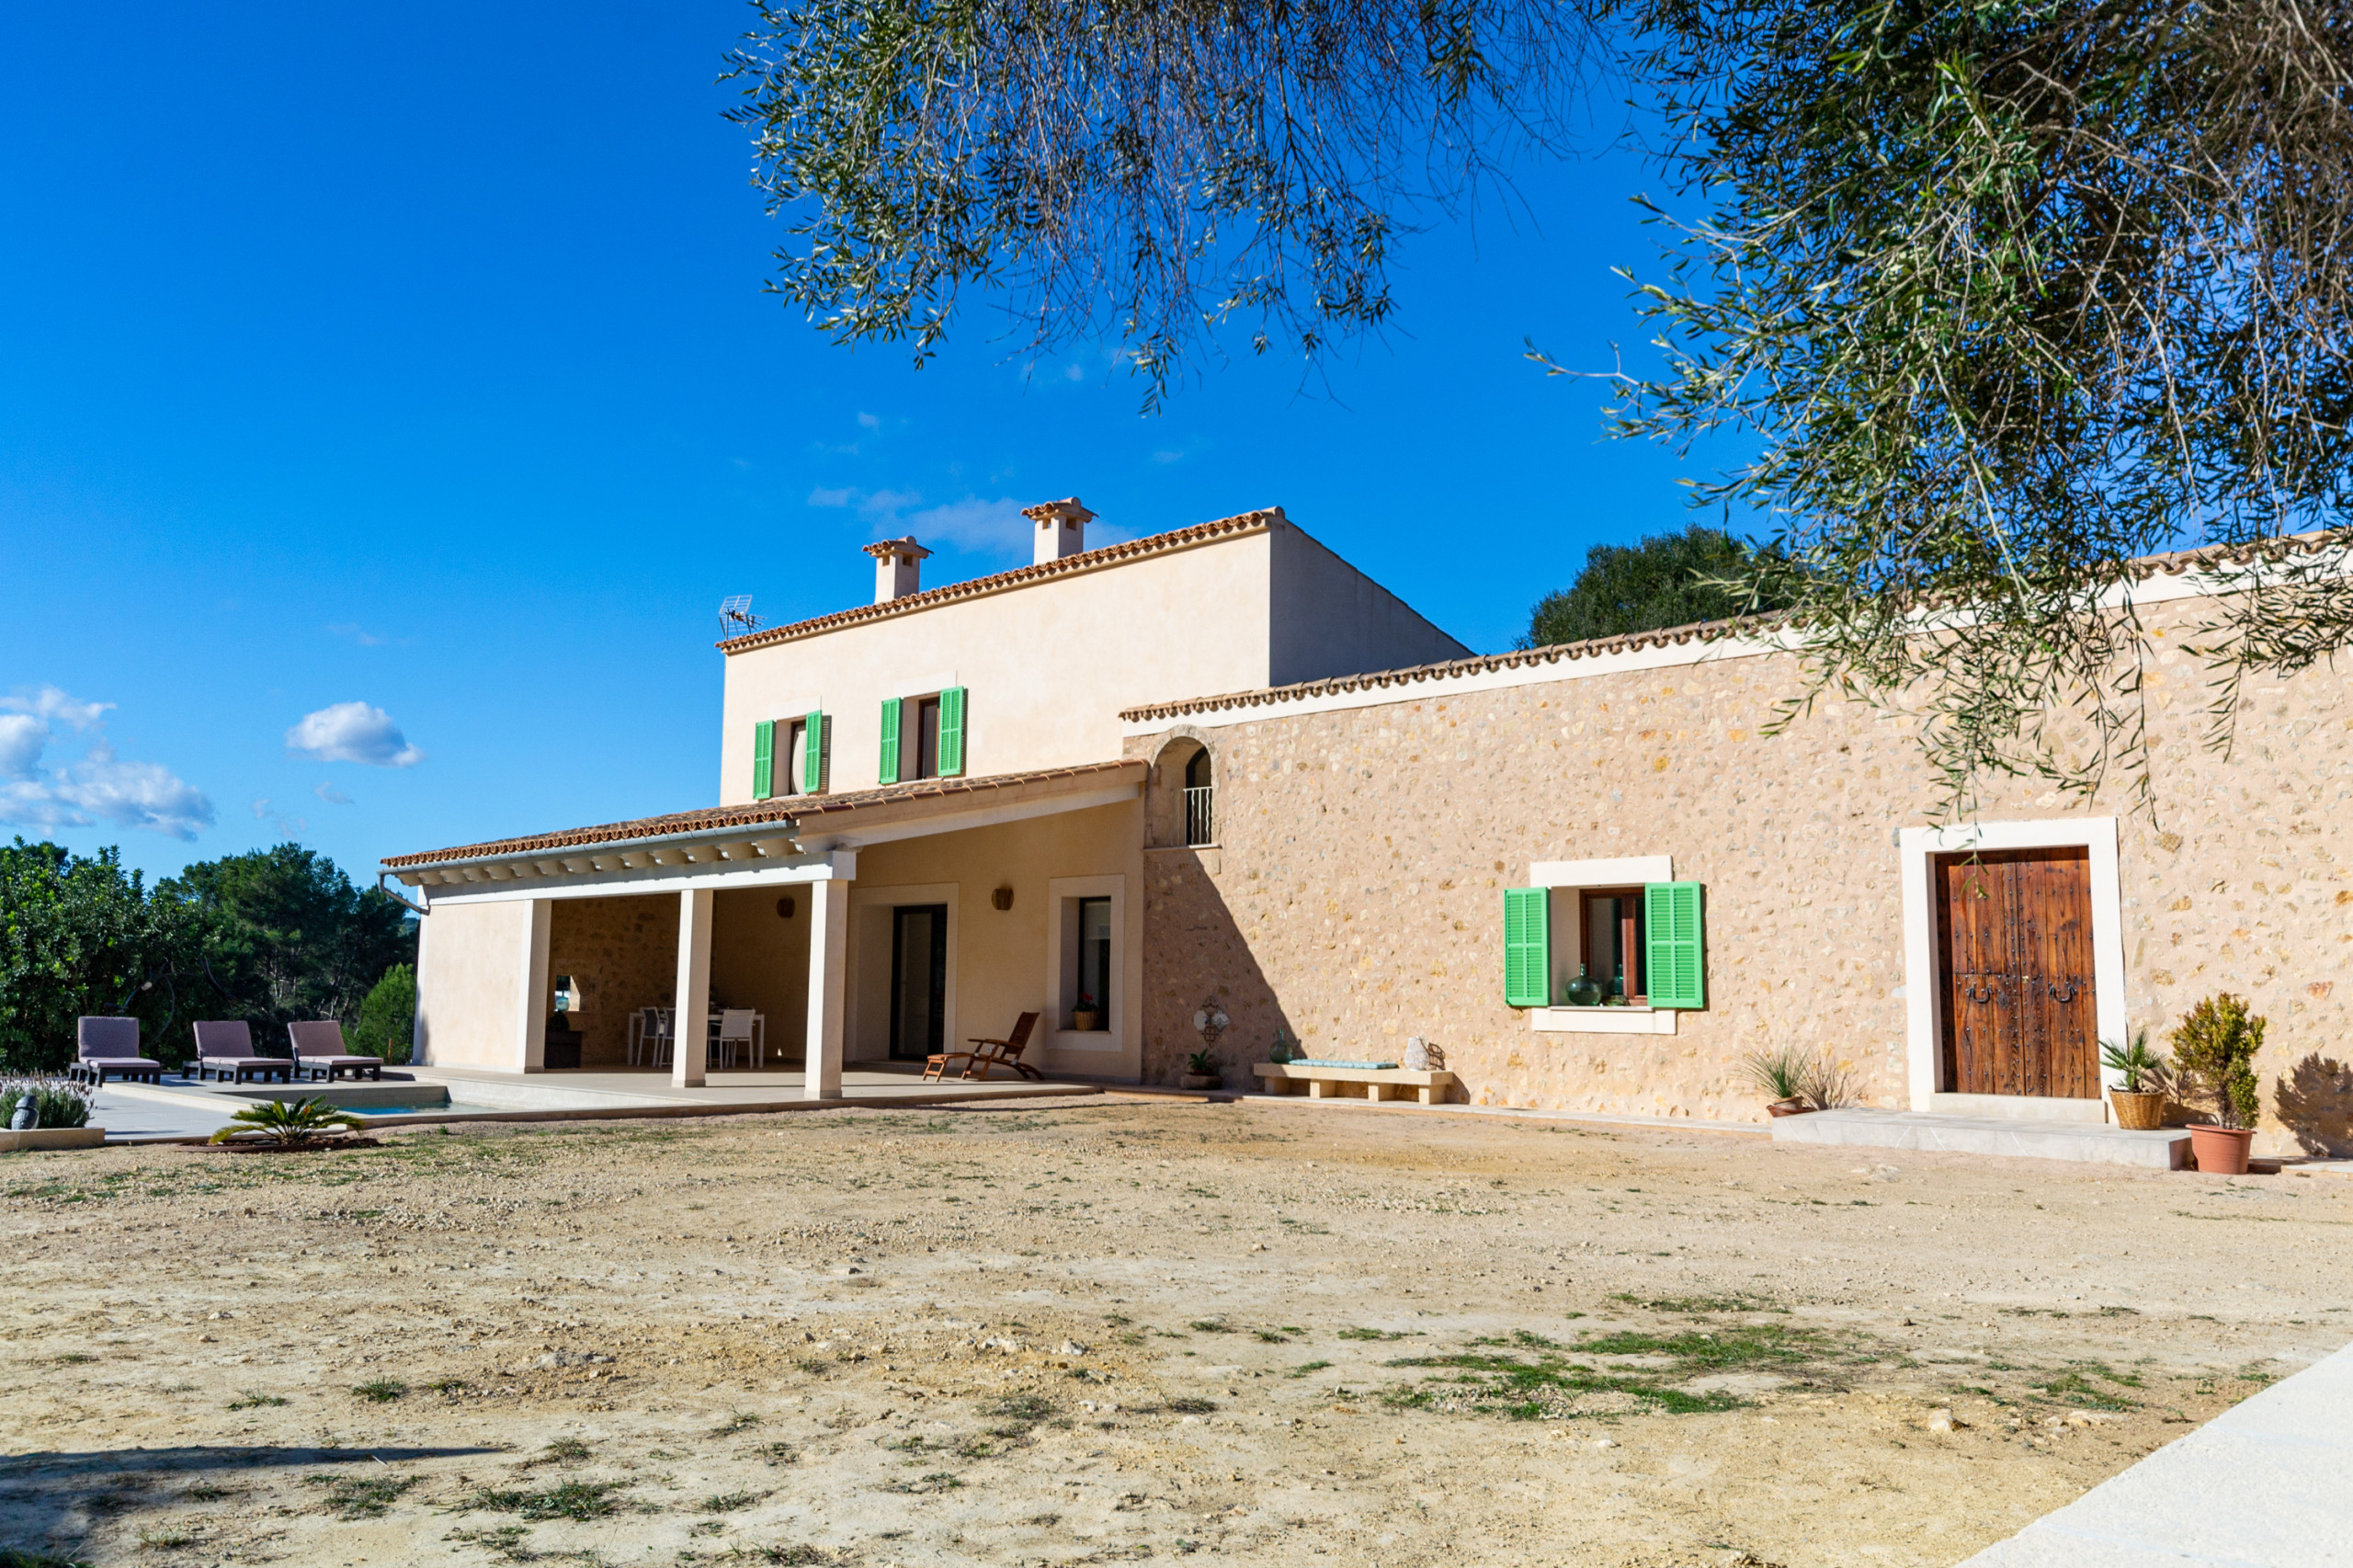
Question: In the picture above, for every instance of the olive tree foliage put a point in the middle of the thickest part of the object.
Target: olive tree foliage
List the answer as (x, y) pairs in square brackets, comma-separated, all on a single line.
[(1143, 174), (2009, 294)]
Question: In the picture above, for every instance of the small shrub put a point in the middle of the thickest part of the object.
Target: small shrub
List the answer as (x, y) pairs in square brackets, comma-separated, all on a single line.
[(581, 1500), (1203, 1063), (2214, 1049), (383, 1390), (57, 1102), (287, 1124), (2143, 1069), (363, 1497), (387, 1023)]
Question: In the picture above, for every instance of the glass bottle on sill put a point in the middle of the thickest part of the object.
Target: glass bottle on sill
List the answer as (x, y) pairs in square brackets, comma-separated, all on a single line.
[(1584, 991), (1618, 988)]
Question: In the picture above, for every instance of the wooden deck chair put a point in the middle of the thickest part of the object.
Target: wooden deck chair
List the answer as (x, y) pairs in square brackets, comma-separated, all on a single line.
[(1004, 1052)]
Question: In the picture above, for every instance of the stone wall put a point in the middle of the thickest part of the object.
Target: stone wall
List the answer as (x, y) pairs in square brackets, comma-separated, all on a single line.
[(625, 952), (1354, 894)]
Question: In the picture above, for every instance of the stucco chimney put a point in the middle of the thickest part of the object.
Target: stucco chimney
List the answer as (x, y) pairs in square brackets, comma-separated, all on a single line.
[(898, 568), (1062, 529)]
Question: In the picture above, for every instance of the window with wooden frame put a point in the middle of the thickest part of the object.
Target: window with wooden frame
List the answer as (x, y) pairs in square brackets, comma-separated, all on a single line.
[(1590, 937), (923, 737), (1610, 921)]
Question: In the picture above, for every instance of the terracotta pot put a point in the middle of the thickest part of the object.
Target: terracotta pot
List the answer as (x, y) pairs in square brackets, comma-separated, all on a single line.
[(2138, 1110), (1203, 1080), (2219, 1150), (1791, 1107)]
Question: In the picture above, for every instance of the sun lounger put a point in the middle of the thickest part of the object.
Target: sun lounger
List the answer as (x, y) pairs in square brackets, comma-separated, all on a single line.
[(318, 1048), (226, 1049), (111, 1045), (992, 1053)]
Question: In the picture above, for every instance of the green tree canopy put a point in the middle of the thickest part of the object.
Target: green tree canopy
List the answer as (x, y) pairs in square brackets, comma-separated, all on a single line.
[(269, 937), (1666, 580)]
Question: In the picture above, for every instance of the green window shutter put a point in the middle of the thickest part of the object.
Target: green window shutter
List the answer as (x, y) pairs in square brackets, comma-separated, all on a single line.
[(951, 732), (763, 759), (890, 769), (1528, 947), (1674, 958), (813, 755)]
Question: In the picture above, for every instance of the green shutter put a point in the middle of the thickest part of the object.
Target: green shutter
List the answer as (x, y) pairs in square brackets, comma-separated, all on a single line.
[(951, 732), (1528, 947), (813, 755), (890, 768), (763, 759), (1674, 958)]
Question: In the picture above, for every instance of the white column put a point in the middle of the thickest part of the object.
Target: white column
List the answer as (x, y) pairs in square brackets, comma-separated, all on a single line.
[(828, 980), (535, 1002), (693, 991)]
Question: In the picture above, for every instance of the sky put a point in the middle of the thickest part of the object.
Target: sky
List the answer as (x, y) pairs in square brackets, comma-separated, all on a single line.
[(390, 398)]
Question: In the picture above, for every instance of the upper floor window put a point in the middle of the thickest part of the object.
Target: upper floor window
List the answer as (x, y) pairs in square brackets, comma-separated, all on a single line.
[(790, 756), (1201, 801), (923, 737)]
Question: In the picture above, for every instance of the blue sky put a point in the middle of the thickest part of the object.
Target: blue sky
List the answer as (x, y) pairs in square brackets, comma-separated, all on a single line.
[(391, 399)]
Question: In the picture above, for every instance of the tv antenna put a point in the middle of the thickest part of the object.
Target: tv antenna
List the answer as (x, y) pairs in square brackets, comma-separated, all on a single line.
[(735, 617)]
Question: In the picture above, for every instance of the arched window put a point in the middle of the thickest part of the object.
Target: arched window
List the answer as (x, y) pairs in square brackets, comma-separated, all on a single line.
[(1200, 813)]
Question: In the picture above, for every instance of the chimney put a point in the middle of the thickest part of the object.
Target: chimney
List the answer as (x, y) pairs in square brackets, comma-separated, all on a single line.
[(1062, 529), (898, 568)]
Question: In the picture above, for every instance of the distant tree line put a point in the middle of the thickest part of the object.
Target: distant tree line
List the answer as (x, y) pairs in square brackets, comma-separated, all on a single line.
[(271, 937), (1672, 579)]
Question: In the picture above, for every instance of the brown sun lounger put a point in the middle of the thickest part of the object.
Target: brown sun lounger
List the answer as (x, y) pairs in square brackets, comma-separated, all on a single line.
[(225, 1050), (318, 1048), (991, 1053), (111, 1045)]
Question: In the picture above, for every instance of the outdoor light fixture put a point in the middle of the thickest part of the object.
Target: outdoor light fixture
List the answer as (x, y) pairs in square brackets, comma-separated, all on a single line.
[(1001, 898), (784, 909)]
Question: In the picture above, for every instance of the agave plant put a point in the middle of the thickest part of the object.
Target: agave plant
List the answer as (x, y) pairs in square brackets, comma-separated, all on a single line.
[(1783, 1074), (288, 1124)]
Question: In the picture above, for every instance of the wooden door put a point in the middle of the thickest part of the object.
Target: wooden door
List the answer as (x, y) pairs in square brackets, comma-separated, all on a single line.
[(2015, 956)]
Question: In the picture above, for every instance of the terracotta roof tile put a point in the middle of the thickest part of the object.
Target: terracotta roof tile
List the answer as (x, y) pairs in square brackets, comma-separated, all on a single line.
[(1093, 560), (786, 811)]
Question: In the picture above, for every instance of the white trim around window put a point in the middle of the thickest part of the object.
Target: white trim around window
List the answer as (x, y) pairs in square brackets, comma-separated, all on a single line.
[(1567, 877), (1922, 1005), (1126, 1021)]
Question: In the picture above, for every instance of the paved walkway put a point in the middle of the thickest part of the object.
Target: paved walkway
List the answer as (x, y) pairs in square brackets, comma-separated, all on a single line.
[(2267, 1484), (2166, 1150)]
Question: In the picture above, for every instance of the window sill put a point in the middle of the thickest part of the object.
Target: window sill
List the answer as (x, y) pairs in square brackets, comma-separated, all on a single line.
[(1602, 1020)]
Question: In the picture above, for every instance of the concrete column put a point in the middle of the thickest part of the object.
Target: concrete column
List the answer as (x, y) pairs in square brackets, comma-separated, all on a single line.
[(531, 1049), (829, 981), (693, 990)]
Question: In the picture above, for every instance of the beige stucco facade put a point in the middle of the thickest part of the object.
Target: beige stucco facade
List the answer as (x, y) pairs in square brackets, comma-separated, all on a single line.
[(1365, 838), (1048, 661)]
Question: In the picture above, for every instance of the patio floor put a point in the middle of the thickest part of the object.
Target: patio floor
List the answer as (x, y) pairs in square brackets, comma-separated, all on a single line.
[(179, 1109)]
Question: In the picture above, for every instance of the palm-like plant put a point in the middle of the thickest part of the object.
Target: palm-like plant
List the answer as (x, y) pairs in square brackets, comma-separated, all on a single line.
[(288, 1124), (2143, 1068)]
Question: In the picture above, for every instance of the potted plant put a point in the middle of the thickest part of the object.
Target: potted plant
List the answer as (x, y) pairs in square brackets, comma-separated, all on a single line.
[(2140, 1102), (1085, 1016), (1202, 1072), (2213, 1051), (1785, 1074)]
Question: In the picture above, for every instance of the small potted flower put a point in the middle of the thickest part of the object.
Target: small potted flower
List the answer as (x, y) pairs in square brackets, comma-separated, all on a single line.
[(1202, 1072), (1085, 1015), (1785, 1074), (2140, 1102), (2213, 1051)]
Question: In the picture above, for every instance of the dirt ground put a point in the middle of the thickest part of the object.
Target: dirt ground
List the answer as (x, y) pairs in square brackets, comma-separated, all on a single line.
[(1112, 1331)]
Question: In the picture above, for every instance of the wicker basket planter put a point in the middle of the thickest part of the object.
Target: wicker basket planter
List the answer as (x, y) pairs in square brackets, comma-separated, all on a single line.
[(2142, 1110)]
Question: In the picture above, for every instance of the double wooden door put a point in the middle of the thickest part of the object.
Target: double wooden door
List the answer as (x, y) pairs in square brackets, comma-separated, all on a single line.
[(2015, 944)]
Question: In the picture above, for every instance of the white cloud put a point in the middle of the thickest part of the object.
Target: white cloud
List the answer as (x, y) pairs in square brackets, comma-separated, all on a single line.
[(870, 421), (261, 808), (22, 736), (330, 795), (977, 526), (353, 731), (96, 787)]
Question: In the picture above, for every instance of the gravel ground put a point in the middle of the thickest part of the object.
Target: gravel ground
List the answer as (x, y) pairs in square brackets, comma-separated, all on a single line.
[(1120, 1330)]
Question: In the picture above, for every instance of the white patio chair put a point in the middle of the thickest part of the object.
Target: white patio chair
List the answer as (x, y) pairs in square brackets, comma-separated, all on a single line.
[(660, 1036), (735, 1029)]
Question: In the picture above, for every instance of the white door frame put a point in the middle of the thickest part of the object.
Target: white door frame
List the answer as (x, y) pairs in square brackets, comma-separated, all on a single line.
[(1924, 1001)]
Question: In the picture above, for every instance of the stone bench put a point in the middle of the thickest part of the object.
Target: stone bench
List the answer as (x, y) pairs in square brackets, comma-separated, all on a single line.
[(1380, 1083)]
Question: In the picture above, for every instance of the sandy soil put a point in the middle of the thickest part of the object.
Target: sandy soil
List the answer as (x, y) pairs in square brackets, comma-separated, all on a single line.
[(1120, 1330)]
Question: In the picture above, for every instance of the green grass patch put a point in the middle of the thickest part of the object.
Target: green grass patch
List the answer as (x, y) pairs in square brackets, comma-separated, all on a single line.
[(1750, 1344), (362, 1497), (564, 1451), (729, 1502), (742, 1421), (254, 1399), (1701, 1306), (383, 1390), (1376, 1334), (1210, 1325), (581, 1500), (1546, 1387), (2072, 1388), (1306, 1367)]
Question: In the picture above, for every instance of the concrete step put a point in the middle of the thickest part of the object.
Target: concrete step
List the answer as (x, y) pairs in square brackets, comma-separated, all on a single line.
[(2164, 1150)]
